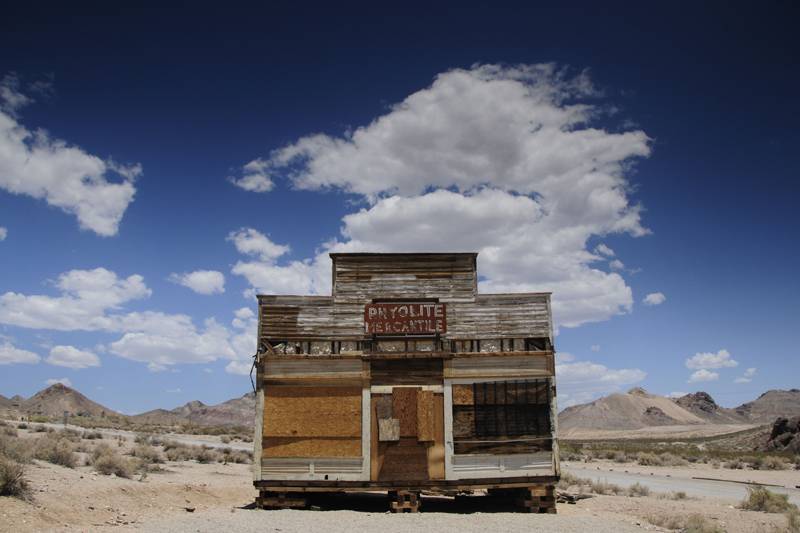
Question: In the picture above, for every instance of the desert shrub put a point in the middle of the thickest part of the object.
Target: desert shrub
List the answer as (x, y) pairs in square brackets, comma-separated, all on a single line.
[(236, 456), (9, 431), (247, 438), (22, 425), (603, 487), (774, 463), (648, 459), (205, 455), (679, 495), (761, 499), (696, 523), (41, 429), (637, 489), (14, 449), (92, 435), (112, 463), (70, 434), (568, 480), (620, 457), (225, 439), (12, 478), (571, 456), (39, 419), (734, 464), (101, 449), (55, 449), (756, 463), (142, 438), (670, 459), (147, 454)]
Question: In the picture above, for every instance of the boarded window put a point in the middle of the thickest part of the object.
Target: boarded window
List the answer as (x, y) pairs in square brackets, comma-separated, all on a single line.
[(491, 345), (320, 348), (502, 416)]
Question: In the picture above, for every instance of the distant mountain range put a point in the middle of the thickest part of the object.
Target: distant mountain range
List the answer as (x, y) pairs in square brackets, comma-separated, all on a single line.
[(56, 399), (634, 410), (637, 409)]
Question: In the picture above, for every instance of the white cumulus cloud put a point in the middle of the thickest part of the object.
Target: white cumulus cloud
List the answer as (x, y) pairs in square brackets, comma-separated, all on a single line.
[(500, 160), (654, 298), (34, 164), (93, 300), (201, 281), (721, 359), (703, 375), (72, 357), (582, 381), (9, 354), (747, 377), (254, 177)]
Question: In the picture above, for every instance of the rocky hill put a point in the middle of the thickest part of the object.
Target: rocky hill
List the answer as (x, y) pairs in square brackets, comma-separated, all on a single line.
[(56, 399), (771, 405), (638, 410), (704, 406), (634, 409), (235, 412), (4, 402)]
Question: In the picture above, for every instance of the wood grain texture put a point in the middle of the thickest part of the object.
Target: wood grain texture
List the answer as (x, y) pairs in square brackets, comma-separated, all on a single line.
[(312, 412), (436, 449), (426, 431), (404, 407), (462, 395), (388, 429), (383, 405), (426, 371), (405, 460), (311, 447)]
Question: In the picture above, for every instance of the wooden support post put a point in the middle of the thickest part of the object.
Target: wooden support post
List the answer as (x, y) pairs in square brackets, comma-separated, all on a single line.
[(537, 499), (404, 501), (280, 500)]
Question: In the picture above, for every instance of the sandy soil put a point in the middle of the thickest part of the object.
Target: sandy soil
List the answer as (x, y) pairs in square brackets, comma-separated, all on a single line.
[(67, 499), (783, 478), (690, 431)]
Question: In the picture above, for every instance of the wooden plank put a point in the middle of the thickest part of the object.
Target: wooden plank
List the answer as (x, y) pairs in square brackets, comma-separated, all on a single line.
[(383, 405), (404, 407), (388, 429), (462, 395), (405, 460), (375, 455), (406, 371), (425, 416), (312, 412), (436, 449), (311, 447)]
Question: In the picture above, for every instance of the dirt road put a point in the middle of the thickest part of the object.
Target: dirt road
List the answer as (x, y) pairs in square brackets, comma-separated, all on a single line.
[(720, 490)]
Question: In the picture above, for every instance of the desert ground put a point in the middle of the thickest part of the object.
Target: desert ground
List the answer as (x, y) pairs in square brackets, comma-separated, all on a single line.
[(211, 493)]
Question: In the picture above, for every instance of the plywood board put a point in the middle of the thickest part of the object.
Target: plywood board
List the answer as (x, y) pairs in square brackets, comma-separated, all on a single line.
[(425, 416), (383, 406), (436, 449), (404, 461), (463, 422), (404, 407), (388, 429), (462, 395), (311, 447), (312, 412)]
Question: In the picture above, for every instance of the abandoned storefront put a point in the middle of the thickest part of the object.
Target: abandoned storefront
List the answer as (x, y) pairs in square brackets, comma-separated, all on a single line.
[(406, 379)]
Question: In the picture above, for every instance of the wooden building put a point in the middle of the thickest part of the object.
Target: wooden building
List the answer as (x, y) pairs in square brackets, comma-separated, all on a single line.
[(406, 379)]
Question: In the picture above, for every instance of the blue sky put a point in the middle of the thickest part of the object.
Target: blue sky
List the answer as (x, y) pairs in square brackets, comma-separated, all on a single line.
[(244, 145)]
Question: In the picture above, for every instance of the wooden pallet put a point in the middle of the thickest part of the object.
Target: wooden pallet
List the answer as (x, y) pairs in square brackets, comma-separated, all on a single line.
[(404, 501), (280, 500), (537, 499)]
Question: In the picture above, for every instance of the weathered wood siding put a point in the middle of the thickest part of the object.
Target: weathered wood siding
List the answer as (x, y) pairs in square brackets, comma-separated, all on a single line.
[(358, 278)]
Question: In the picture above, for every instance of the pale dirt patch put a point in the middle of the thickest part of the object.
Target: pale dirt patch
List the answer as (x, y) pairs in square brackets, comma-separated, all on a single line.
[(784, 478), (66, 499)]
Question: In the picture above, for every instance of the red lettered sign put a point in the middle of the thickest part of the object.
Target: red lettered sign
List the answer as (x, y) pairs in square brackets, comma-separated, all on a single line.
[(426, 318)]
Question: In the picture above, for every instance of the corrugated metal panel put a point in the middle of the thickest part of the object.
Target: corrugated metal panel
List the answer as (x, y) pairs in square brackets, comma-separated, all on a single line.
[(480, 466), (331, 469)]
